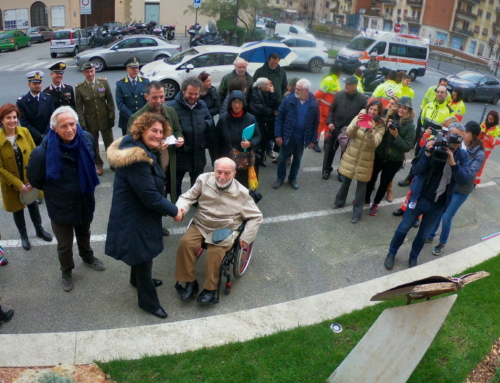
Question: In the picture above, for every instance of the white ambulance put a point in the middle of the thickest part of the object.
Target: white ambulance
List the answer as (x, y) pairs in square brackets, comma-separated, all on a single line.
[(396, 52)]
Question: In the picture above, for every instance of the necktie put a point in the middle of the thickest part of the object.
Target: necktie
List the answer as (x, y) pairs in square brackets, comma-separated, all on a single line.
[(92, 85), (134, 82), (36, 99), (58, 89)]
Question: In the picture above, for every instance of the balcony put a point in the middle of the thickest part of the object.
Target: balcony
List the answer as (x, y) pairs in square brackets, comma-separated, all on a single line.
[(473, 2), (415, 3), (497, 9), (492, 40), (387, 16), (462, 31), (497, 26), (466, 15), (412, 20), (387, 2)]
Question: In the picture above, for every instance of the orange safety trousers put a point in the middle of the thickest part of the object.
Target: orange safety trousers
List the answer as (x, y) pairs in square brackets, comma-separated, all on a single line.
[(325, 100), (489, 143)]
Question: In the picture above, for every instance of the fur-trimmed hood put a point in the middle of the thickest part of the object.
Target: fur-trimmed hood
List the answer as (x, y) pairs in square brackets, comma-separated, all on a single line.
[(125, 151)]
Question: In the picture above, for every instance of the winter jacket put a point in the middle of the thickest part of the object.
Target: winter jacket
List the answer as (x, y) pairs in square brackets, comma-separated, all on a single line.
[(263, 106), (357, 161), (434, 114), (134, 233), (276, 76), (394, 149), (287, 114), (458, 108), (197, 129), (430, 96), (229, 130), (385, 91), (477, 157), (211, 98), (65, 202), (227, 79), (345, 108)]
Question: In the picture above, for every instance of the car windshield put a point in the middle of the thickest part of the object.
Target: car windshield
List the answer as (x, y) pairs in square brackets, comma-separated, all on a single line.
[(360, 43), (5, 35), (473, 77), (300, 29), (176, 59), (32, 30), (61, 35)]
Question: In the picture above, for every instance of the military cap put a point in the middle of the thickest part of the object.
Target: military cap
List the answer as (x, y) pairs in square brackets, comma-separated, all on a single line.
[(87, 65), (35, 76), (132, 63), (58, 67), (405, 101), (351, 80)]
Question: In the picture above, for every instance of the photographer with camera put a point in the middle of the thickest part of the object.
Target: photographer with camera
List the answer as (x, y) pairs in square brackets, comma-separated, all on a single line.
[(440, 167), (389, 155)]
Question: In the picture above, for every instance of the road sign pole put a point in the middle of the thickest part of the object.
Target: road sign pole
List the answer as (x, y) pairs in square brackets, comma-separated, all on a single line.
[(196, 18)]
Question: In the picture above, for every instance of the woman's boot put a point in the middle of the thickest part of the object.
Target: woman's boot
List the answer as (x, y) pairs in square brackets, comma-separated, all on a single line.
[(21, 226), (6, 316), (37, 222)]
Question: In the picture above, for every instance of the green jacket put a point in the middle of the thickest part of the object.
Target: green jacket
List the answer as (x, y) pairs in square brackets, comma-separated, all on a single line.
[(95, 108), (276, 76), (227, 79), (170, 114), (394, 149)]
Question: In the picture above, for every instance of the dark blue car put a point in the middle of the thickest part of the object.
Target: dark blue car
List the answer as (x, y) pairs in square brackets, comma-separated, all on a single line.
[(476, 86)]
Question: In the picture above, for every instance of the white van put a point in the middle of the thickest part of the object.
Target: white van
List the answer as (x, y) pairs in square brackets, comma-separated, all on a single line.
[(395, 52), (290, 29)]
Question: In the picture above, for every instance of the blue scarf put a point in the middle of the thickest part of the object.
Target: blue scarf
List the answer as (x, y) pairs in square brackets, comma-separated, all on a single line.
[(80, 152)]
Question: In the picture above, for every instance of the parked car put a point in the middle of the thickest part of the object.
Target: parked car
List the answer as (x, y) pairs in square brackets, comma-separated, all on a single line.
[(289, 29), (145, 48), (476, 86), (39, 34), (13, 40), (218, 60), (311, 53), (70, 41)]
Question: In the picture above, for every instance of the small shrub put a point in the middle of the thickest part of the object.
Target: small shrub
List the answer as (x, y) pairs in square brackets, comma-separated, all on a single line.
[(241, 32), (52, 377)]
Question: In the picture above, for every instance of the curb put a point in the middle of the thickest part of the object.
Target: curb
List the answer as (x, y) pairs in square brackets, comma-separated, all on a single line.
[(49, 349)]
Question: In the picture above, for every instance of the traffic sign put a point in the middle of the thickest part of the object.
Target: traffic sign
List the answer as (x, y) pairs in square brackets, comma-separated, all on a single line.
[(85, 7), (197, 3)]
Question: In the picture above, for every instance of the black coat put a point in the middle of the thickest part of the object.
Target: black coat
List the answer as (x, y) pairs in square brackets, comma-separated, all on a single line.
[(263, 106), (229, 130), (35, 116), (66, 204), (197, 129), (65, 97), (134, 228), (212, 100)]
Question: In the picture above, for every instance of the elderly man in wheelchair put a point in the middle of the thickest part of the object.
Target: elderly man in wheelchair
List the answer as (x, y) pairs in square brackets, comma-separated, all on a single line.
[(226, 222)]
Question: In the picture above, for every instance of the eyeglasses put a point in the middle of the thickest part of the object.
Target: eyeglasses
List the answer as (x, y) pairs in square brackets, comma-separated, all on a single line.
[(299, 90)]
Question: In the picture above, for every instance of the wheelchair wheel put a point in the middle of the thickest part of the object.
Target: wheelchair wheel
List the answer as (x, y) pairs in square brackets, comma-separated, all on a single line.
[(228, 288), (241, 260)]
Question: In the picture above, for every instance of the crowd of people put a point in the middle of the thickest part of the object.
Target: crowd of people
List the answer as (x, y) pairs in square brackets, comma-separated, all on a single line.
[(49, 151)]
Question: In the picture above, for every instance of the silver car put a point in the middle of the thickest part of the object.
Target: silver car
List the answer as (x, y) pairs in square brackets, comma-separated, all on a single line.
[(145, 48), (68, 41), (40, 34)]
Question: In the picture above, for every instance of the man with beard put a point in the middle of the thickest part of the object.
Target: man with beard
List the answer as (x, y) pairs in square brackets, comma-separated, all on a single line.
[(223, 203)]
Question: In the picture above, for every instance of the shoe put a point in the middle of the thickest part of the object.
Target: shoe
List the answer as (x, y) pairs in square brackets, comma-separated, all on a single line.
[(40, 233), (294, 184), (4, 261), (412, 262), (335, 206), (96, 264), (389, 261), (263, 164), (6, 316), (99, 171), (355, 219), (25, 242), (271, 154), (416, 224), (187, 292), (160, 313), (390, 196), (275, 160), (374, 210), (405, 182), (367, 203), (429, 240), (326, 175), (398, 213), (340, 177), (207, 297), (165, 232), (438, 250), (277, 184), (156, 282), (316, 148), (67, 281)]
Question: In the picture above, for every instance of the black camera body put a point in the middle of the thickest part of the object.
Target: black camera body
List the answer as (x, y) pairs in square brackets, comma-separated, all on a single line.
[(439, 152), (394, 125)]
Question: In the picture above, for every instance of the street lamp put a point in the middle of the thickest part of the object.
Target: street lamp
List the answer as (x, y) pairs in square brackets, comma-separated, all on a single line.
[(234, 38)]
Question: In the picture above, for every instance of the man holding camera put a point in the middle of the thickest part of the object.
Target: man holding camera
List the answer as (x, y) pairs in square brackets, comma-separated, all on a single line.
[(440, 167)]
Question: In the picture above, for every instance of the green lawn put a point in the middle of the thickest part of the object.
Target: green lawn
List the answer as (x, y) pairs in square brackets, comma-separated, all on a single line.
[(310, 354), (332, 53)]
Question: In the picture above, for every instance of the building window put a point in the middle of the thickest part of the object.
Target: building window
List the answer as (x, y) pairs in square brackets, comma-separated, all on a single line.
[(488, 15), (290, 3), (277, 2), (399, 12), (476, 29), (480, 12), (1, 20), (485, 31), (327, 5), (480, 49), (16, 19)]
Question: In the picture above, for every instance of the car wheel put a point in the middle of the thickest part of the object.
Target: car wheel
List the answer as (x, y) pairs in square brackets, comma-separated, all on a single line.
[(315, 65), (98, 64), (16, 47), (171, 89), (471, 96), (495, 99), (161, 57), (76, 51), (53, 55), (29, 43), (43, 39), (413, 75)]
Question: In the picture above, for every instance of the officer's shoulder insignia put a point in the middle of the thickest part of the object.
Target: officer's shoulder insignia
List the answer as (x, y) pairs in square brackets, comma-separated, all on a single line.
[(122, 79), (48, 94), (102, 79), (79, 84), (20, 98)]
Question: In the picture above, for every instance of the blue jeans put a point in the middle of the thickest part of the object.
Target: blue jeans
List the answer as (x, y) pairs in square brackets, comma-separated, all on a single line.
[(431, 212), (292, 148), (447, 217)]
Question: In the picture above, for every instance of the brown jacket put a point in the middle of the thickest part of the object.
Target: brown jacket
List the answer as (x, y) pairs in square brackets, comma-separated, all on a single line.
[(222, 209), (95, 108), (357, 161), (10, 179)]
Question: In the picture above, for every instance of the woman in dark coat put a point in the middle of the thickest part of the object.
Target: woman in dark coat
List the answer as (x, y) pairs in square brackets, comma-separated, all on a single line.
[(135, 228), (264, 105), (229, 132), (209, 94)]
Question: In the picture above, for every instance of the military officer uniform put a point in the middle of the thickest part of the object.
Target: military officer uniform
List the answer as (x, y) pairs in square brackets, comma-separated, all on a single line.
[(35, 110), (130, 95), (63, 95), (96, 111)]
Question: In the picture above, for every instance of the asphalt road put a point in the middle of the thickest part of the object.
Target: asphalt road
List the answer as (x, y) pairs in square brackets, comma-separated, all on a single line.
[(303, 247)]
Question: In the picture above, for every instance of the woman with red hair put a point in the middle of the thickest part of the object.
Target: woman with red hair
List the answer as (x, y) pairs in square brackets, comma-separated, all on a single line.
[(490, 135)]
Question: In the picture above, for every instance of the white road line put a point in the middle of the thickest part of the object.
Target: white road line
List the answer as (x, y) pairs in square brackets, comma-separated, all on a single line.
[(9, 243), (19, 67), (40, 64)]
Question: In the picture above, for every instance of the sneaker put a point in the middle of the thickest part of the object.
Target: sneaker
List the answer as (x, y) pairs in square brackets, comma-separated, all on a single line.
[(398, 213), (67, 284), (3, 261), (429, 240), (271, 154), (277, 184), (438, 250), (96, 265), (316, 148), (374, 210)]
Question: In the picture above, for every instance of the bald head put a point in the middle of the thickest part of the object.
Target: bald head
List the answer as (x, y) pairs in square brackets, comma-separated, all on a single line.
[(224, 170)]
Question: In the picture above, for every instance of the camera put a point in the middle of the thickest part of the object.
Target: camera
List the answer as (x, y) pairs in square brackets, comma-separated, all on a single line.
[(439, 152), (394, 125)]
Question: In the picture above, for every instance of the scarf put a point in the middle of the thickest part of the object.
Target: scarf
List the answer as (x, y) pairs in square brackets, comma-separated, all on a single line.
[(445, 180), (80, 152), (237, 114)]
